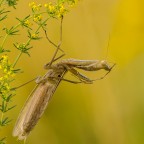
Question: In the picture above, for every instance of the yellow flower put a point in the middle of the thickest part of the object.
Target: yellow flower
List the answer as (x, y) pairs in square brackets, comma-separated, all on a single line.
[(51, 8), (32, 4), (5, 70), (39, 5), (37, 18), (62, 9), (34, 36), (1, 78), (9, 73), (27, 23), (4, 58), (46, 5), (35, 8), (7, 87)]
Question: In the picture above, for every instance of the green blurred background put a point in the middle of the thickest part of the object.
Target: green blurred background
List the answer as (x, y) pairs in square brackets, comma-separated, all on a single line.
[(110, 111)]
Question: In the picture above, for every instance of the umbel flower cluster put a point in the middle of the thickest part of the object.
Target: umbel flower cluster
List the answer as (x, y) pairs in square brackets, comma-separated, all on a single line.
[(54, 10)]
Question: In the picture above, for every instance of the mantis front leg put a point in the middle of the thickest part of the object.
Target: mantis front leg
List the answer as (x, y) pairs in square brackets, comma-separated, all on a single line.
[(87, 65), (81, 77)]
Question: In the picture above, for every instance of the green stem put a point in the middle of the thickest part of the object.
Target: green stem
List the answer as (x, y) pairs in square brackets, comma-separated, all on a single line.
[(3, 42), (1, 119), (17, 58), (28, 41), (2, 115), (40, 25), (6, 36)]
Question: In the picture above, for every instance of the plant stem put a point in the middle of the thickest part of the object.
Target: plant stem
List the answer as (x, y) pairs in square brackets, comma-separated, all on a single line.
[(17, 58), (4, 40), (7, 34), (1, 119), (28, 41)]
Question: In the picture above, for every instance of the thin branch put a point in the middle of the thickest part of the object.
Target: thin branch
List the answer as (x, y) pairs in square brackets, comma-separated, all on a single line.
[(50, 40), (61, 29)]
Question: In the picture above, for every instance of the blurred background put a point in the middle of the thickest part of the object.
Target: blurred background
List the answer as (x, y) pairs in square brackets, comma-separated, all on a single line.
[(110, 111)]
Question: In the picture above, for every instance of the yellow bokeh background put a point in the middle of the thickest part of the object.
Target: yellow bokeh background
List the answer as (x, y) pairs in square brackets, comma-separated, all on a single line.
[(110, 111)]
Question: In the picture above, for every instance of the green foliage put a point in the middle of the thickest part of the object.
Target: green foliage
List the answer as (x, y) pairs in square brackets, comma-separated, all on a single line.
[(3, 14), (2, 141), (11, 3)]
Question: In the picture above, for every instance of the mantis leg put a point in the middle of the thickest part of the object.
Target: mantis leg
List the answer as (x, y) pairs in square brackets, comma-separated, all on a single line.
[(47, 66), (80, 76)]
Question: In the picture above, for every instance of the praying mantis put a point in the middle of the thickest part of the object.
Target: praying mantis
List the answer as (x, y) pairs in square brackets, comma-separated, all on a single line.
[(47, 85)]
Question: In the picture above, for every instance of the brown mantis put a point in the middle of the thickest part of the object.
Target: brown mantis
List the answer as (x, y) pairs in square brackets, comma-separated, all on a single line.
[(47, 85)]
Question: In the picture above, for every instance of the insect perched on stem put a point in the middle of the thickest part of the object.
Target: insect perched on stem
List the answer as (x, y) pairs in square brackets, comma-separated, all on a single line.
[(47, 85)]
